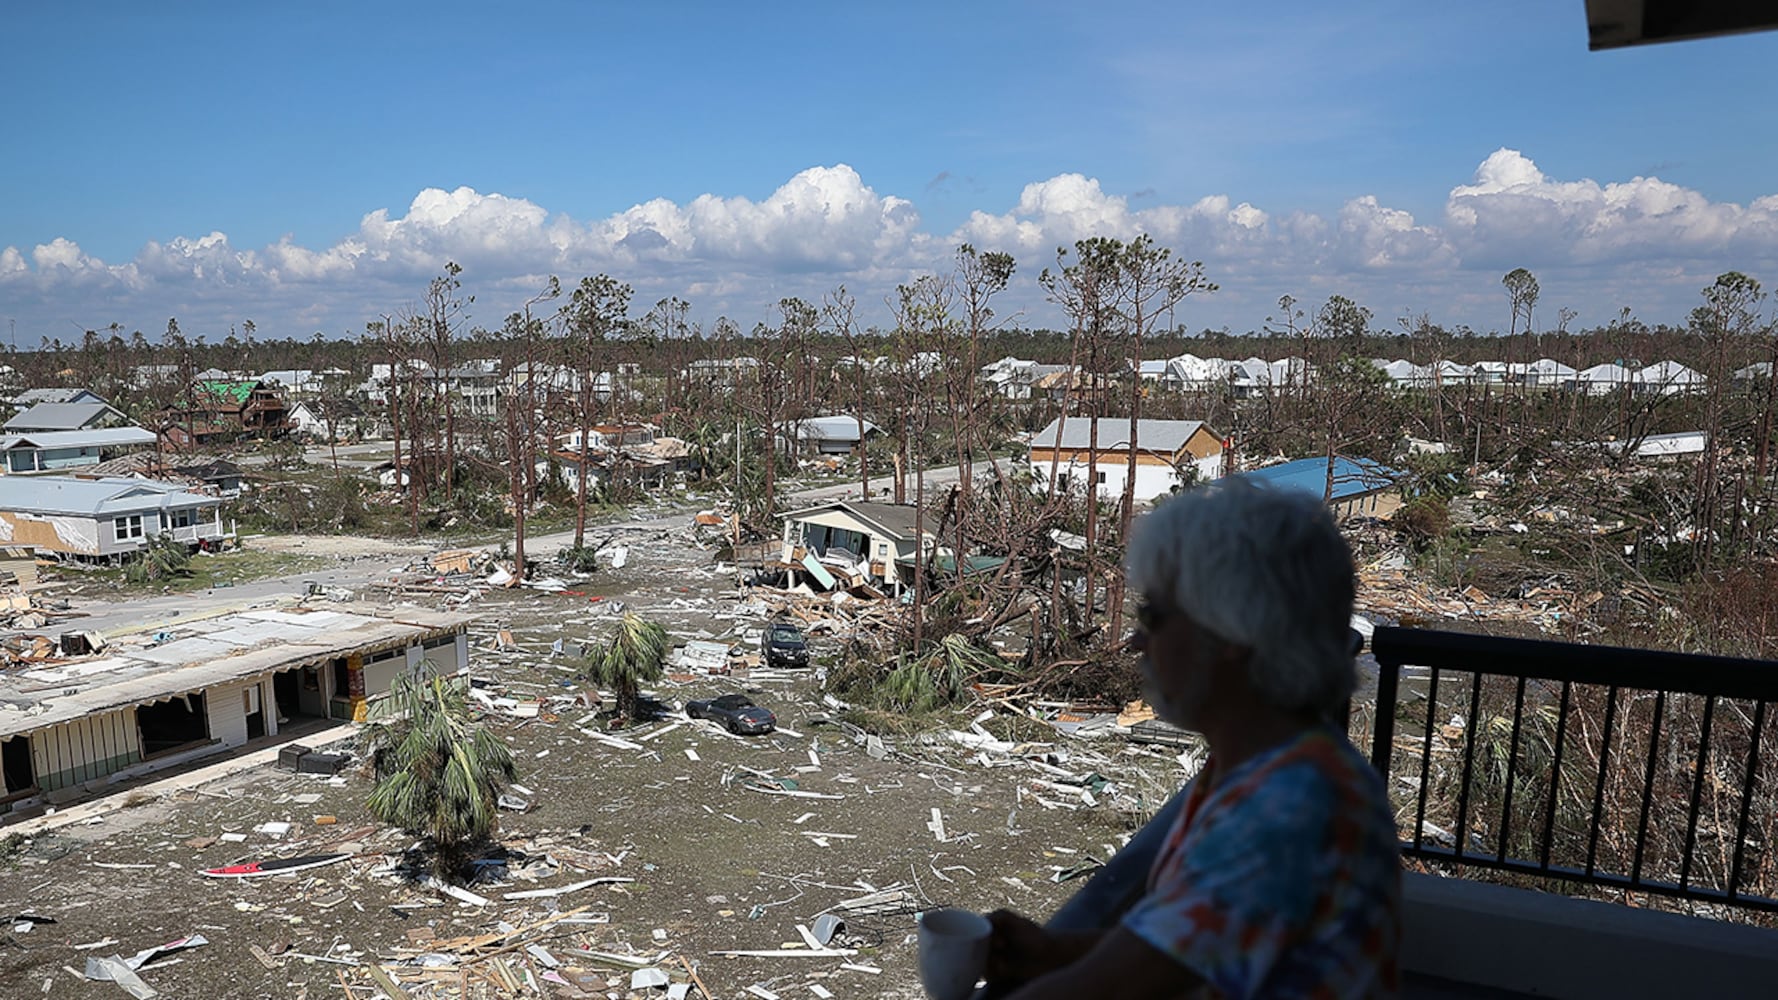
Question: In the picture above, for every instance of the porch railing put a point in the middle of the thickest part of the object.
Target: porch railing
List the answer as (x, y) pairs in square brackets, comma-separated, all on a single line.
[(1628, 769)]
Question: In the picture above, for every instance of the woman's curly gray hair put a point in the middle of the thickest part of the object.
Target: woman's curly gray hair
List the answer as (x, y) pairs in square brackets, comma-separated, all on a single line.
[(1263, 569)]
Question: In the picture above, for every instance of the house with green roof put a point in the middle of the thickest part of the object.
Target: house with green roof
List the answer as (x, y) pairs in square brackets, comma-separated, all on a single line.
[(227, 409)]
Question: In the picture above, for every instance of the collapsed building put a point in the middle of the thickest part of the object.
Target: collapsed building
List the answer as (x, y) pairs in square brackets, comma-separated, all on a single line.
[(79, 715)]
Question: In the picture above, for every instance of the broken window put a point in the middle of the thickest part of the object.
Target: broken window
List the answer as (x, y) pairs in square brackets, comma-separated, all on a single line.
[(173, 724), (15, 765)]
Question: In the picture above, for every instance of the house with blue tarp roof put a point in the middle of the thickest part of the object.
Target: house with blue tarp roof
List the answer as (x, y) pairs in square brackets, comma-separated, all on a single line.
[(1360, 486)]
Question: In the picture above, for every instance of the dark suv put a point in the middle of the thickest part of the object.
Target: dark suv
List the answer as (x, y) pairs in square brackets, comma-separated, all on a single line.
[(785, 646)]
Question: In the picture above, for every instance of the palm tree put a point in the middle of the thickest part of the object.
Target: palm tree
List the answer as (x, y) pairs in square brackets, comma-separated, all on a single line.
[(633, 655), (161, 559), (439, 775)]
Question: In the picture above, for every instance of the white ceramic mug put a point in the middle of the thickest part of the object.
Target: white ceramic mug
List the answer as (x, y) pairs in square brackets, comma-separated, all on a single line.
[(953, 952)]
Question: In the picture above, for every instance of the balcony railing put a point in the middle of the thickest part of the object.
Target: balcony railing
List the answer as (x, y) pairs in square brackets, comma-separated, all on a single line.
[(1627, 769)]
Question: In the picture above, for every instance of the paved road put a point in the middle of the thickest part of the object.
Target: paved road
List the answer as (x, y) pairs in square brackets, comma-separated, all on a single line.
[(353, 574), (351, 456)]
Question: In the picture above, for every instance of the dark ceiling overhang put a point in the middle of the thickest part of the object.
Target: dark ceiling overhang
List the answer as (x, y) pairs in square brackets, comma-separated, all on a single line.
[(1616, 24)]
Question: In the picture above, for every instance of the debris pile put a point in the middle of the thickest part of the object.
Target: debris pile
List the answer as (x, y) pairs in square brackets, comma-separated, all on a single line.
[(1390, 593)]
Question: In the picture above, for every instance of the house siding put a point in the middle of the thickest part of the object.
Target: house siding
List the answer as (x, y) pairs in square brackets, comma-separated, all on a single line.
[(86, 536), (1155, 477), (55, 533), (85, 749)]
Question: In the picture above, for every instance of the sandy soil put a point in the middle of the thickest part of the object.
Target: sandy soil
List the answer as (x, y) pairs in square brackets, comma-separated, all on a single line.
[(716, 864)]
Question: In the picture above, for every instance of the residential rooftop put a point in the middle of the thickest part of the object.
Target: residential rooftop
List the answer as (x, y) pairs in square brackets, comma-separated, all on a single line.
[(92, 497), (162, 662)]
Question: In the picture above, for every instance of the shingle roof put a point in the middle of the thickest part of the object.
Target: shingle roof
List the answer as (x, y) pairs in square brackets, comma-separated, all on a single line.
[(1165, 436), (895, 518)]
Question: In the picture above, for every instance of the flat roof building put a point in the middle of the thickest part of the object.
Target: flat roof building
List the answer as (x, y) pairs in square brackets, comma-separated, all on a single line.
[(171, 695)]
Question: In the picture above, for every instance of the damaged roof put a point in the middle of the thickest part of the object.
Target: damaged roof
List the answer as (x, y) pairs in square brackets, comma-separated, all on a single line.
[(1352, 477), (202, 654)]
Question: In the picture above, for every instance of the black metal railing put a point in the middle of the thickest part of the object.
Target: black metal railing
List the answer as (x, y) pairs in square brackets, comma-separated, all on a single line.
[(1629, 769)]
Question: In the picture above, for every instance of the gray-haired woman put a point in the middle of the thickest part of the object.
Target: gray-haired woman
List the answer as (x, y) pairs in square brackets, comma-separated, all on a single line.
[(1281, 875)]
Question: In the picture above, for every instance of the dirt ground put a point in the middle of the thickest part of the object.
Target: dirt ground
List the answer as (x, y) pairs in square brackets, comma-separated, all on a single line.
[(717, 864), (337, 546)]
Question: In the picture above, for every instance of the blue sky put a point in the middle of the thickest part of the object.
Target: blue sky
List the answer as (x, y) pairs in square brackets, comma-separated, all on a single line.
[(308, 166)]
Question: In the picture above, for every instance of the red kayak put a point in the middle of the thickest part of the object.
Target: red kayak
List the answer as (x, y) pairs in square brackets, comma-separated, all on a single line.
[(278, 866)]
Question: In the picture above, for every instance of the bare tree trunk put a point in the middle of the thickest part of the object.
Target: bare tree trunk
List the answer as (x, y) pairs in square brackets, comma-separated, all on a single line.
[(586, 431), (517, 448)]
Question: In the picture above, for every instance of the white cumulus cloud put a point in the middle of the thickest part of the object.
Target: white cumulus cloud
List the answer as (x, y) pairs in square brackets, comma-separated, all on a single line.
[(1596, 245), (1514, 212)]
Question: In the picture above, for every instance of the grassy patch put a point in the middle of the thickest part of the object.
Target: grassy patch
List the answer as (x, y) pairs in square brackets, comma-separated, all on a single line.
[(244, 566), (208, 572)]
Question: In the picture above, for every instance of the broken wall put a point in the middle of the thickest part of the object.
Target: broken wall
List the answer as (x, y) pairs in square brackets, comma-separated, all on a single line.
[(78, 536), (228, 712)]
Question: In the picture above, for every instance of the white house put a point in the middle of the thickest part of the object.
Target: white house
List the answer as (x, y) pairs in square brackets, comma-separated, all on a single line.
[(1600, 380), (1153, 372), (1451, 373), (1405, 374), (1490, 372), (1666, 378), (1190, 372), (1546, 373), (1164, 449), (837, 434)]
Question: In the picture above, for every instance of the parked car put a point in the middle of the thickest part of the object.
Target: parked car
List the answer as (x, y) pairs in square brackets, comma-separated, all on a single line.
[(735, 711), (785, 646)]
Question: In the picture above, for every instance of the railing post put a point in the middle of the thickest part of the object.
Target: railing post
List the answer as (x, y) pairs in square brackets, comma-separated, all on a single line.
[(1383, 717)]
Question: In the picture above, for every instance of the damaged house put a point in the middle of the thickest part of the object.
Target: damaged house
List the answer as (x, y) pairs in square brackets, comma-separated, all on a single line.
[(628, 453), (102, 519), (226, 409), (55, 394), (1360, 487), (73, 724), (849, 543)]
